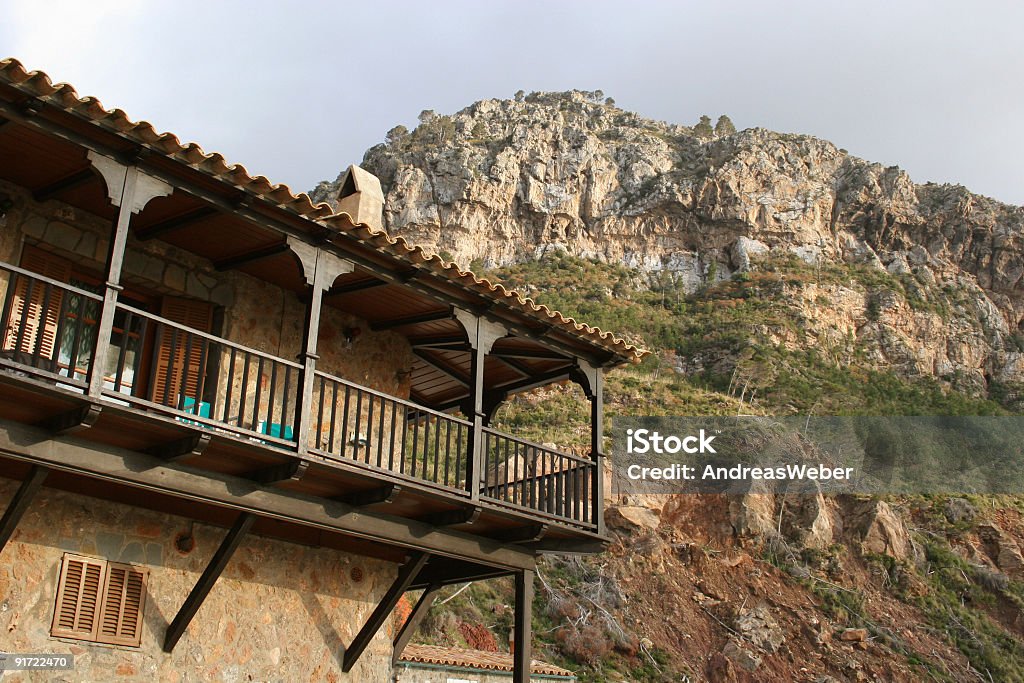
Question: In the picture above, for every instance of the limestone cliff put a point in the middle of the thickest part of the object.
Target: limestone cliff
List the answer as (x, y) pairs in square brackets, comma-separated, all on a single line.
[(507, 180)]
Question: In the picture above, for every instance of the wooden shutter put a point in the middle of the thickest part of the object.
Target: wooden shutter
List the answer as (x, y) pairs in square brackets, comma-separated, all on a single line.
[(174, 359), (28, 301), (79, 589), (124, 598)]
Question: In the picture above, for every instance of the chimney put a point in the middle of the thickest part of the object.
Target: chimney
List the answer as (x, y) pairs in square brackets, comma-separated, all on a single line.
[(360, 196)]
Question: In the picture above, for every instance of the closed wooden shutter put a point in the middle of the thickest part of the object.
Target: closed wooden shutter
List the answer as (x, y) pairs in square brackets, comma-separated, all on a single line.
[(79, 590), (179, 363), (124, 598), (34, 308)]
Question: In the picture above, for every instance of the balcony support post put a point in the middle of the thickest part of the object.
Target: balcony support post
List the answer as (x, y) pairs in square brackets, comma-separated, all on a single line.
[(320, 268), (522, 637), (482, 334), (130, 190), (591, 378)]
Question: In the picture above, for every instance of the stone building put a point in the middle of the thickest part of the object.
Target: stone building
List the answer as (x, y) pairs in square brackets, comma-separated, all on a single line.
[(236, 427), (432, 664)]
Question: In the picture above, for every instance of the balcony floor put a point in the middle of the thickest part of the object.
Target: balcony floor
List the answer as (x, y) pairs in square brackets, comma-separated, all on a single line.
[(27, 400)]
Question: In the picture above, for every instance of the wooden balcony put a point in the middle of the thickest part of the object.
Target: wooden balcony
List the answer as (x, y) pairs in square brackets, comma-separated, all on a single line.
[(219, 406)]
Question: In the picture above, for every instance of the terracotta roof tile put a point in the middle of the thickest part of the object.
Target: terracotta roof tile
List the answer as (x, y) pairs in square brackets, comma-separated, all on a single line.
[(38, 84), (474, 659)]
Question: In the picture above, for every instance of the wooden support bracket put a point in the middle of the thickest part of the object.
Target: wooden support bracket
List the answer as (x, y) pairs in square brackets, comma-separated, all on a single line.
[(273, 474), (406, 575), (523, 534), (452, 517), (71, 421), (384, 494), (193, 444)]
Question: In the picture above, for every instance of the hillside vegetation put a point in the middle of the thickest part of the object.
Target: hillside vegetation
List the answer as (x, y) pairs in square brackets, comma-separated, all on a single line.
[(663, 598)]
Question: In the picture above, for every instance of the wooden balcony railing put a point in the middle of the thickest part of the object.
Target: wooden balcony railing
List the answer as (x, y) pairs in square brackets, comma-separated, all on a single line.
[(212, 381), (369, 427), (534, 477), (155, 364)]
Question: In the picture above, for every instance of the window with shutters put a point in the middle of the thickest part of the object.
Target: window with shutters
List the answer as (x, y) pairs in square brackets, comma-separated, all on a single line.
[(180, 358), (33, 310), (100, 601)]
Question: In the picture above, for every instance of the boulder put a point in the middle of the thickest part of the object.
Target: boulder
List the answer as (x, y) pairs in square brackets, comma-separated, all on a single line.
[(758, 627), (880, 530), (631, 518), (741, 656), (959, 510)]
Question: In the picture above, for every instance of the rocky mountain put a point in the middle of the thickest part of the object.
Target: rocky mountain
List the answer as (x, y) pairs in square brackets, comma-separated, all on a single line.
[(770, 274), (503, 181)]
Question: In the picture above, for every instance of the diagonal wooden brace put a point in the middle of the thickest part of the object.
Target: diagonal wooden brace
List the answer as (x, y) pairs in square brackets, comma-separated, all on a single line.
[(22, 499), (406, 575), (206, 582)]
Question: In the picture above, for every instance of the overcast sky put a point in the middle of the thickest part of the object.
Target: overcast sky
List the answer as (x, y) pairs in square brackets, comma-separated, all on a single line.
[(297, 91)]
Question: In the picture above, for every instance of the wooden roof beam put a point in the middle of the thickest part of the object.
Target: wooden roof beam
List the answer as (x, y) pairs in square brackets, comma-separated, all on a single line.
[(72, 180), (175, 223), (455, 342), (534, 380), (251, 256), (529, 354), (350, 287), (411, 320), (520, 368), (440, 367)]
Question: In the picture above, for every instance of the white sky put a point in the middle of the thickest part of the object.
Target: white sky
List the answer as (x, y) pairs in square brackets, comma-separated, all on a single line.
[(297, 91)]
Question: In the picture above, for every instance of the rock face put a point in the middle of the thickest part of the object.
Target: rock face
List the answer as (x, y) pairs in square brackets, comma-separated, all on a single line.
[(502, 181)]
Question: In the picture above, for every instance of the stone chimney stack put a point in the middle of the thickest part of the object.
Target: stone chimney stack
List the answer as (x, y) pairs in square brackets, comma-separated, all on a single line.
[(360, 196)]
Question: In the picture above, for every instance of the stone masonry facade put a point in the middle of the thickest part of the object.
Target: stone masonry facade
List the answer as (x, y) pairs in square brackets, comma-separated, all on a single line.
[(280, 611)]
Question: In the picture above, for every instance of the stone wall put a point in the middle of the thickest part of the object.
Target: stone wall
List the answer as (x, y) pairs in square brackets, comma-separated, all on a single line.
[(280, 612)]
